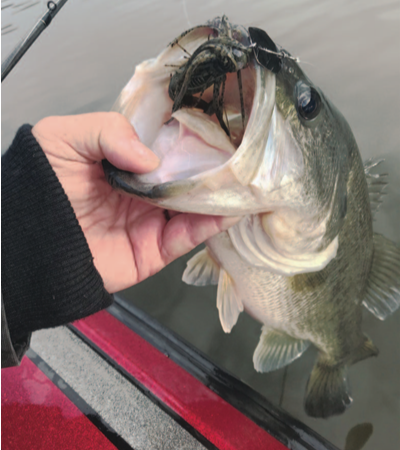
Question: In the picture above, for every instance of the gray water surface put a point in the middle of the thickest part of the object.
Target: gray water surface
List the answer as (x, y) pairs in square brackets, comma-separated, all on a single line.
[(351, 49)]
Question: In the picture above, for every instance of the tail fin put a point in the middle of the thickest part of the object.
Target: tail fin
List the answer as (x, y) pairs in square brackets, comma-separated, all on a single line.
[(327, 391)]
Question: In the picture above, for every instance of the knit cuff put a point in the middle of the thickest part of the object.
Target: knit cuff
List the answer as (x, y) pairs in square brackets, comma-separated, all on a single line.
[(48, 275)]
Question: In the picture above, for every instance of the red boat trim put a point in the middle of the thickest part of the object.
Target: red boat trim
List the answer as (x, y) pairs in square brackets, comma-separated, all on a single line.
[(78, 401), (291, 432), (36, 414), (213, 417), (178, 419)]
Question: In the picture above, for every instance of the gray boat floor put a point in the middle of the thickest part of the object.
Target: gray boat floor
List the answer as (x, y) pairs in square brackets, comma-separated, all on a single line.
[(127, 410)]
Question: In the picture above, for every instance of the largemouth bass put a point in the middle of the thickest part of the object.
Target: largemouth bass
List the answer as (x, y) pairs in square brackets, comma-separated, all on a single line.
[(303, 260)]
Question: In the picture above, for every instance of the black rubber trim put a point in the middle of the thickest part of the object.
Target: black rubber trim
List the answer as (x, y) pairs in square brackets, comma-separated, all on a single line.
[(78, 401), (277, 422), (176, 417)]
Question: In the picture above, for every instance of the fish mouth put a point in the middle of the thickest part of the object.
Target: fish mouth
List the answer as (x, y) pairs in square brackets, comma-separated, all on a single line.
[(196, 155)]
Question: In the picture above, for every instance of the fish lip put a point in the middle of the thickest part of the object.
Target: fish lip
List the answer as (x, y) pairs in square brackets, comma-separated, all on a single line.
[(117, 179)]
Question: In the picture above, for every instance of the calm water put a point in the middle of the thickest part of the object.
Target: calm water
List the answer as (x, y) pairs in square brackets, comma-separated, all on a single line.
[(351, 49)]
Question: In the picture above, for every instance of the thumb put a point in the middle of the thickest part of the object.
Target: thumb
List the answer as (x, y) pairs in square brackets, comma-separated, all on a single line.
[(97, 136), (120, 145)]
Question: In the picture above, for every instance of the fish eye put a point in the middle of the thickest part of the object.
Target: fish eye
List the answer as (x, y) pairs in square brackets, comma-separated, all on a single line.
[(308, 101)]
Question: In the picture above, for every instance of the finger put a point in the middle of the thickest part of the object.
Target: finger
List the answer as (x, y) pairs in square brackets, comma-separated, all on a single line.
[(132, 155), (170, 213), (185, 231), (98, 136)]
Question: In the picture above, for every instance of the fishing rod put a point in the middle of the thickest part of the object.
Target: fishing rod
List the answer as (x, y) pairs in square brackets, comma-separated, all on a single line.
[(19, 51)]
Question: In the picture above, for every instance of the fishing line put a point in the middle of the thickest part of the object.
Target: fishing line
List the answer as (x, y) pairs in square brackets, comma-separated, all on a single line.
[(186, 13), (280, 54)]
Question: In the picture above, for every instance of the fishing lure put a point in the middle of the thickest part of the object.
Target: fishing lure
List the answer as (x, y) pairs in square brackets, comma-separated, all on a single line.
[(213, 60), (208, 66)]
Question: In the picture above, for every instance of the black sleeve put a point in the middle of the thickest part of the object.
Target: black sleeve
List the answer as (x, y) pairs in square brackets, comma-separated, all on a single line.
[(48, 275)]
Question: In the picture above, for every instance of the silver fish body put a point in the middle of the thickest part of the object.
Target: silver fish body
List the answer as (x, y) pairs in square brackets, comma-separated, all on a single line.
[(303, 260)]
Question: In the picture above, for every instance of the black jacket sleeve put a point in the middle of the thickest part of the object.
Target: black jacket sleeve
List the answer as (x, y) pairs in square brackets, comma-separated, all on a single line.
[(48, 275)]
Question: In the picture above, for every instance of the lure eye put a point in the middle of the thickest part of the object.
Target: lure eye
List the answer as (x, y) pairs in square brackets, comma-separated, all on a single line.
[(238, 53), (308, 101), (240, 58)]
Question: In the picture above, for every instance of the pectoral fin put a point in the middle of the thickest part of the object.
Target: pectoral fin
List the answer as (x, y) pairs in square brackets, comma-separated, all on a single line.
[(228, 303), (383, 289), (276, 349), (201, 270)]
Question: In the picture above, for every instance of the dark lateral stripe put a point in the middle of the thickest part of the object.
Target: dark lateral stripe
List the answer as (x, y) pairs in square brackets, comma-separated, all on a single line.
[(78, 401), (176, 417), (291, 432)]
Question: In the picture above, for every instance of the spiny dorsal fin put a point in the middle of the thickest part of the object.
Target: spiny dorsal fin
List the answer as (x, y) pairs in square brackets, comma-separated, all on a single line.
[(376, 184), (276, 349), (383, 289), (228, 303), (201, 270)]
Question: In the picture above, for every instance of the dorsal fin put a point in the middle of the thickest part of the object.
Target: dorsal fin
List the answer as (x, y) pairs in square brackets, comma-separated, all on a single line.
[(377, 183), (201, 269), (228, 303), (383, 288)]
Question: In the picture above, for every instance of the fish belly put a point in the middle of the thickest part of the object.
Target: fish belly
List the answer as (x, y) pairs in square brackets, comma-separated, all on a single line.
[(307, 306), (264, 295)]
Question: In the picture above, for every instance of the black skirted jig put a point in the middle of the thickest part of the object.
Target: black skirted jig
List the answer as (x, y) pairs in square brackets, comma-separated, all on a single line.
[(208, 66)]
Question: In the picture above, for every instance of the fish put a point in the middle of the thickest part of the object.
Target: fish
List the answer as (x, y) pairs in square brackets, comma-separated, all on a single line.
[(303, 260)]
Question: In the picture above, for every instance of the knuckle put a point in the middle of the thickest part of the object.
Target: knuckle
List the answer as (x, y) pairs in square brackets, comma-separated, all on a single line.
[(48, 126)]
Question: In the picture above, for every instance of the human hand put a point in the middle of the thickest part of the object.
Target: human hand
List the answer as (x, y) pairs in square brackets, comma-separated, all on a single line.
[(130, 240)]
